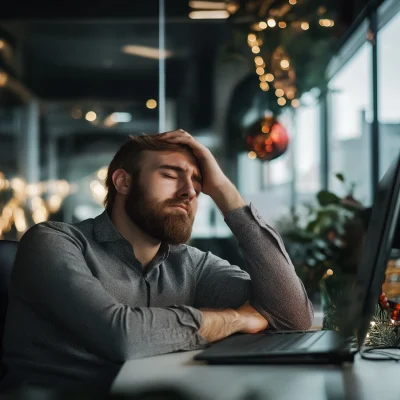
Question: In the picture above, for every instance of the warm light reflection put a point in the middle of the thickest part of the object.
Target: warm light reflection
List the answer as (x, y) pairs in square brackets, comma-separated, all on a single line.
[(305, 26), (290, 94), (212, 14), (91, 116), (102, 173), (281, 101), (151, 104), (259, 60), (260, 71), (207, 5), (54, 203), (285, 64), (295, 103), (269, 77), (262, 25), (3, 79), (147, 52), (327, 23)]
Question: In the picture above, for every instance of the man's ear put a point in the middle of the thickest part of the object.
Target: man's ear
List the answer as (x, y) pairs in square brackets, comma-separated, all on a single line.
[(122, 181)]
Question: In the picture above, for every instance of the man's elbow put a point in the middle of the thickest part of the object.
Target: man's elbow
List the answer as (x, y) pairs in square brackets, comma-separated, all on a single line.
[(303, 319)]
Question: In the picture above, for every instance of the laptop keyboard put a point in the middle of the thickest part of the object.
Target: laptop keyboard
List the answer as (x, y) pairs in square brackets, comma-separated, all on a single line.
[(282, 342)]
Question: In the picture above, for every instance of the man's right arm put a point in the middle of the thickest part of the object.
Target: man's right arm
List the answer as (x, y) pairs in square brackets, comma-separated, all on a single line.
[(51, 274)]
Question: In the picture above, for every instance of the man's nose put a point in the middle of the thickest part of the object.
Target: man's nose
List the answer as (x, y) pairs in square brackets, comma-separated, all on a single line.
[(187, 190)]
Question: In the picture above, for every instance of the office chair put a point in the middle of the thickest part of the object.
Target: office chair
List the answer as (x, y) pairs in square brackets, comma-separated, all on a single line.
[(8, 250)]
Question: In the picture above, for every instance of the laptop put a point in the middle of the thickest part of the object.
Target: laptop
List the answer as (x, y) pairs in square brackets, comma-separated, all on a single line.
[(325, 346)]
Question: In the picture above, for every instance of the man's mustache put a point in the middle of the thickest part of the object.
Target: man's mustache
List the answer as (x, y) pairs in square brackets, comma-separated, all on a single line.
[(184, 203)]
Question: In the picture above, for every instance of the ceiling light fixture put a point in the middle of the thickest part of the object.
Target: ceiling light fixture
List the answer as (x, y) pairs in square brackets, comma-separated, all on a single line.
[(207, 5), (147, 52), (213, 14)]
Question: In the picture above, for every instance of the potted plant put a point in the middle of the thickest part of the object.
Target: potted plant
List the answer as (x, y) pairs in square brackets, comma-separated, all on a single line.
[(325, 244)]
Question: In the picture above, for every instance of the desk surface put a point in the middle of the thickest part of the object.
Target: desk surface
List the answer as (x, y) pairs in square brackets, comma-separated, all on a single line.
[(366, 380)]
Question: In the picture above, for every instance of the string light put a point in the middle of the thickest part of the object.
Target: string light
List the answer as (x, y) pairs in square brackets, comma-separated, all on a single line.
[(285, 64), (279, 92), (282, 24), (90, 116), (251, 37), (290, 94), (252, 155), (281, 101), (260, 71), (255, 49), (305, 26), (259, 60), (269, 77), (264, 86), (295, 103), (271, 22), (327, 23), (263, 25), (151, 104), (292, 2)]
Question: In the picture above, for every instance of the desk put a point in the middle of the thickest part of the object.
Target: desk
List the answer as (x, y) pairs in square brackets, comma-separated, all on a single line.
[(363, 380)]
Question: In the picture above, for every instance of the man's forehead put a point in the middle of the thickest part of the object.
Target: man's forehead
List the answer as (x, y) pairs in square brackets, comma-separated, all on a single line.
[(180, 159)]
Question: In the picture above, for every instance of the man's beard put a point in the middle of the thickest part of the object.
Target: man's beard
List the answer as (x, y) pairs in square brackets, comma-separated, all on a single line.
[(152, 217)]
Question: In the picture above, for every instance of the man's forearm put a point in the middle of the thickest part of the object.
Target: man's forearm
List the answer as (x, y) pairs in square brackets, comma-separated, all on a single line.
[(218, 324), (227, 198)]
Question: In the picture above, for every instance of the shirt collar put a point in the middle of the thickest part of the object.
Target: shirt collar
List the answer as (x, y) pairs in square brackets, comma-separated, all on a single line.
[(105, 231)]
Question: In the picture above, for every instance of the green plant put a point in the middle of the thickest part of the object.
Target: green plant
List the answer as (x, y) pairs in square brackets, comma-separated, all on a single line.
[(324, 240)]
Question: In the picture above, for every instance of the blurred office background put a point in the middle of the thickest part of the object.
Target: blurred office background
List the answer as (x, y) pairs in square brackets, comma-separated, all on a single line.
[(286, 93)]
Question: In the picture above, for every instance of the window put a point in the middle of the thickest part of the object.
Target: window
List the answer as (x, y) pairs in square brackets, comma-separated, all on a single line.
[(388, 92), (307, 149), (350, 116)]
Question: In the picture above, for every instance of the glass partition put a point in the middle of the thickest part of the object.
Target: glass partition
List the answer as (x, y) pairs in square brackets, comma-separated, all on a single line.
[(388, 90), (350, 116)]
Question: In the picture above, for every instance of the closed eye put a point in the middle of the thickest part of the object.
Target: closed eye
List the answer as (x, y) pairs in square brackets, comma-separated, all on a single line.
[(170, 176)]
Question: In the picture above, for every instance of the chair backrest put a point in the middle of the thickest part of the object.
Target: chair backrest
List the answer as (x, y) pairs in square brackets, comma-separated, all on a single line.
[(8, 250)]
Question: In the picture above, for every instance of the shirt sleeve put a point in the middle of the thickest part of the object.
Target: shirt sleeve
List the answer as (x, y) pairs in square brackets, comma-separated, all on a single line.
[(271, 284), (50, 274)]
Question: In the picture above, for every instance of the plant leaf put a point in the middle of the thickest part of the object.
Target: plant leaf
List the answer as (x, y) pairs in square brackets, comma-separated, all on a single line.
[(324, 198), (340, 177)]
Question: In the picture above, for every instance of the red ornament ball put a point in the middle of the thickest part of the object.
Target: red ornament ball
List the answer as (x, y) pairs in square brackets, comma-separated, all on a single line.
[(267, 138)]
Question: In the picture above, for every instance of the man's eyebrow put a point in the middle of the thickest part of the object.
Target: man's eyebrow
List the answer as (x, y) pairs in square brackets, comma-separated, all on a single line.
[(196, 177)]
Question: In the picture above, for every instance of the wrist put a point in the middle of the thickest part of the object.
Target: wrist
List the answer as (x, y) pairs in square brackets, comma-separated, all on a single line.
[(227, 197), (238, 321)]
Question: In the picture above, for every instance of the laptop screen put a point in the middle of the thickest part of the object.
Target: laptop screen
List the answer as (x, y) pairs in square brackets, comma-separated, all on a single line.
[(375, 253)]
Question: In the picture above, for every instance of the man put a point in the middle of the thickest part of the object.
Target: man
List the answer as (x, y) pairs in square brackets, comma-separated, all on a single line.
[(84, 298)]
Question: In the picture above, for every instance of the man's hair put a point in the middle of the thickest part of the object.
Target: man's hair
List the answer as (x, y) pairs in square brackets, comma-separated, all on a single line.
[(128, 158)]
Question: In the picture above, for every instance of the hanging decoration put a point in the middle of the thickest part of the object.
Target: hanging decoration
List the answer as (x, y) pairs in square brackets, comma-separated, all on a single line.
[(266, 139), (288, 38)]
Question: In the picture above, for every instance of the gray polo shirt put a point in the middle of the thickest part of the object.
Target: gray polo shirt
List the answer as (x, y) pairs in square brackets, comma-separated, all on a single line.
[(81, 304)]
